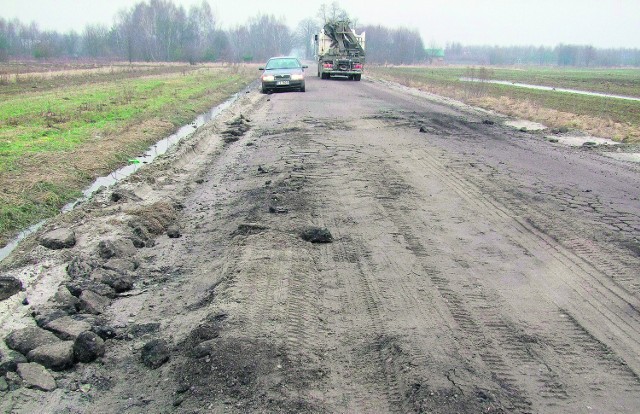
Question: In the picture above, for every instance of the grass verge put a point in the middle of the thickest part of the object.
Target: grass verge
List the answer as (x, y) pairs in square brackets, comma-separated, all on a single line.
[(57, 138), (606, 117)]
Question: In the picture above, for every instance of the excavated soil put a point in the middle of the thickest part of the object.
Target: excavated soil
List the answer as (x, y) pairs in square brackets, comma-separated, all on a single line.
[(354, 248)]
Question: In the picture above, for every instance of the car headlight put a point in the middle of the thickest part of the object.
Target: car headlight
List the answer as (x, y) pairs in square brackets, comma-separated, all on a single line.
[(297, 77), (268, 78)]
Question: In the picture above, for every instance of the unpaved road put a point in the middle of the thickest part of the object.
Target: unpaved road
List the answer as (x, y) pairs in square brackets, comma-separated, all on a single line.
[(473, 268)]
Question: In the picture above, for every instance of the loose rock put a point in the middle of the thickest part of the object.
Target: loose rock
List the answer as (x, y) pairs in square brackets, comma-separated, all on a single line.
[(59, 239), (57, 356), (3, 385), (36, 376), (26, 339), (9, 286), (155, 353), (87, 347)]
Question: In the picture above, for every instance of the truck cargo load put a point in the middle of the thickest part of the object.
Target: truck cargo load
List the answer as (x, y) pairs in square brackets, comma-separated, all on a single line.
[(339, 51)]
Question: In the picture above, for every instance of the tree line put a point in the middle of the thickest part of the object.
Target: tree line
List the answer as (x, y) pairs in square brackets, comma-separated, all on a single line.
[(159, 30), (560, 55)]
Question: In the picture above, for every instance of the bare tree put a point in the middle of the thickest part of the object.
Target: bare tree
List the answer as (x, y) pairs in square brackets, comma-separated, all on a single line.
[(304, 33)]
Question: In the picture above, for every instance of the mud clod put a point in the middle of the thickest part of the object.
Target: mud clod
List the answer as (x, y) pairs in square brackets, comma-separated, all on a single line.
[(250, 228), (116, 248), (80, 267), (91, 302), (152, 220), (9, 361), (155, 353), (26, 339), (67, 328), (59, 239), (124, 195), (316, 235), (57, 357), (9, 286), (278, 210), (36, 376), (174, 232), (88, 347), (65, 301)]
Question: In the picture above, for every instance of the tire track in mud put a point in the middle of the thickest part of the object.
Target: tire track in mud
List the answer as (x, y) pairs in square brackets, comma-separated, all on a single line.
[(471, 323), (366, 376), (607, 259), (405, 364), (606, 300), (364, 294), (517, 346)]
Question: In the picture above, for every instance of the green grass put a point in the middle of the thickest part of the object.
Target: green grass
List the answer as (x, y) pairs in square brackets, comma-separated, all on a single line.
[(62, 119), (55, 140), (614, 81)]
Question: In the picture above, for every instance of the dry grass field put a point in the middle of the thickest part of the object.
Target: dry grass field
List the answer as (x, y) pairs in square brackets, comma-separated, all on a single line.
[(601, 116)]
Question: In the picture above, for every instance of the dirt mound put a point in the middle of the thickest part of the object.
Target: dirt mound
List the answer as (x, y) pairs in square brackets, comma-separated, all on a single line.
[(153, 220)]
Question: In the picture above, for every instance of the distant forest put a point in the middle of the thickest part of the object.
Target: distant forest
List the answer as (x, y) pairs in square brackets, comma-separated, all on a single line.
[(158, 30)]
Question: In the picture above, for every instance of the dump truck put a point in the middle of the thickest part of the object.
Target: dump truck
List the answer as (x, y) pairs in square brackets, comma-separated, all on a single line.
[(339, 51)]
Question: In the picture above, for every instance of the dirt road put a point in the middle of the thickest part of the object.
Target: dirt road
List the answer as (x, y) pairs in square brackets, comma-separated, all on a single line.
[(473, 268)]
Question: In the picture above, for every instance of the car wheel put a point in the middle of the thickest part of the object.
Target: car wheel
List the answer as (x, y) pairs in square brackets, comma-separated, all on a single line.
[(357, 77), (264, 90), (302, 88)]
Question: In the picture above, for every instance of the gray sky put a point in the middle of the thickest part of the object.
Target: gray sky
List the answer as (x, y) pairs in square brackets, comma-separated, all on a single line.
[(601, 23)]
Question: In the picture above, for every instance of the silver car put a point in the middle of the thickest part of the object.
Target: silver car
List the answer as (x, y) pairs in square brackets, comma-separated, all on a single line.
[(283, 73)]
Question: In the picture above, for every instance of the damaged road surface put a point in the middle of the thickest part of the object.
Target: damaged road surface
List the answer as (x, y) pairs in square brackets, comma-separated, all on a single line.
[(295, 256)]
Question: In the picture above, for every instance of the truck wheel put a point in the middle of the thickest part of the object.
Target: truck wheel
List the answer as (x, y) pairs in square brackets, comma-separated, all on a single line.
[(357, 77)]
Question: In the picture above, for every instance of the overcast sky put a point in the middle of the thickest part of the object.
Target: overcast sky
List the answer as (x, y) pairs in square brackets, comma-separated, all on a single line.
[(601, 23)]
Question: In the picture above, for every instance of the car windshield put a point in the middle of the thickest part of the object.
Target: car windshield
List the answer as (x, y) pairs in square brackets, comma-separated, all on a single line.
[(283, 64)]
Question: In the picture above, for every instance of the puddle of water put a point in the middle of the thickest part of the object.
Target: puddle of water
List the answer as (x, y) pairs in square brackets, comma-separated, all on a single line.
[(550, 88), (4, 252), (152, 153), (624, 156), (575, 141), (523, 124)]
